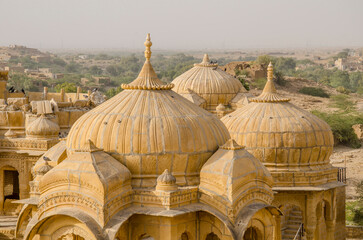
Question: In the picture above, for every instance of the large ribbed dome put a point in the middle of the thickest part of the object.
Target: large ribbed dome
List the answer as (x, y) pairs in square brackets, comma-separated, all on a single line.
[(150, 128), (281, 135), (209, 82)]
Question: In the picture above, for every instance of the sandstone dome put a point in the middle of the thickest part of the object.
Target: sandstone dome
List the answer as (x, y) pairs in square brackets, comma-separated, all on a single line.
[(281, 135), (90, 179), (209, 82), (150, 128), (42, 128), (232, 173)]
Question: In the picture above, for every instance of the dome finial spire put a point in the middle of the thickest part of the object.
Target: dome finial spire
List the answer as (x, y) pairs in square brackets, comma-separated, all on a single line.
[(269, 93), (148, 45), (205, 58), (270, 86), (270, 72), (147, 79)]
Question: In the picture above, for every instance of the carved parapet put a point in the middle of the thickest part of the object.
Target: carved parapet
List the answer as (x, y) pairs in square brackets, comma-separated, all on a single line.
[(166, 199), (27, 144)]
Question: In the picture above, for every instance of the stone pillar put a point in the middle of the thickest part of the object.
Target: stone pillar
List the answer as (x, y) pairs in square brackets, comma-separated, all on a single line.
[(310, 217), (2, 192), (45, 93), (277, 227), (62, 93), (23, 182), (78, 92), (330, 229)]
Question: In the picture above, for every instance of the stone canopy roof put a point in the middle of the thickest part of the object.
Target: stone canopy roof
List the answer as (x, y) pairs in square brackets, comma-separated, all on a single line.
[(147, 125), (281, 135), (209, 82)]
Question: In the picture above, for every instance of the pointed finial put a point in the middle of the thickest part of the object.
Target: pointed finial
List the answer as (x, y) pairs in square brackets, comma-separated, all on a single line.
[(88, 146), (269, 93), (205, 58), (206, 62), (270, 72), (147, 79), (148, 44), (231, 145)]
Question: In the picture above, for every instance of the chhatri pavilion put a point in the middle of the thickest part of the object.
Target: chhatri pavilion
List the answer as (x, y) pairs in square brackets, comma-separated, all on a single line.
[(149, 164), (211, 88)]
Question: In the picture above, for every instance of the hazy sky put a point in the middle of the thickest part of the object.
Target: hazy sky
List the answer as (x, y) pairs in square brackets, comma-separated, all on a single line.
[(181, 24)]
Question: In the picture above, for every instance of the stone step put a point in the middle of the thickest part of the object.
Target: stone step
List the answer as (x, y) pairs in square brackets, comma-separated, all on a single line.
[(292, 231), (293, 225), (294, 212), (293, 217), (294, 221), (287, 236)]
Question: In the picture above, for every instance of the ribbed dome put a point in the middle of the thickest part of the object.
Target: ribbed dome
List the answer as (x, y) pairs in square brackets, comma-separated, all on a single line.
[(150, 128), (209, 82), (42, 128), (90, 179), (233, 174), (281, 135)]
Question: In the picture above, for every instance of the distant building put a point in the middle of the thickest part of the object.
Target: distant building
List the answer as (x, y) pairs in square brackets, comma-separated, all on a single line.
[(41, 58), (15, 69), (5, 57), (340, 63), (83, 57), (255, 71)]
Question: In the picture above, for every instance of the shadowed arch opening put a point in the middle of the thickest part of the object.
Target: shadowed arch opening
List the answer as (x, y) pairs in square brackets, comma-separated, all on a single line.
[(10, 190), (212, 236), (252, 234)]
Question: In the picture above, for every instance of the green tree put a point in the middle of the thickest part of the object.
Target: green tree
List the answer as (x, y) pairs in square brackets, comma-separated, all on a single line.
[(355, 80), (112, 70), (343, 54), (264, 60), (285, 64), (67, 86), (73, 67), (340, 78), (95, 70), (59, 62), (113, 91)]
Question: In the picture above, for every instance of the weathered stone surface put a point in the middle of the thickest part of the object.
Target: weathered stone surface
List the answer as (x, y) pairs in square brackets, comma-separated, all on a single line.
[(358, 130)]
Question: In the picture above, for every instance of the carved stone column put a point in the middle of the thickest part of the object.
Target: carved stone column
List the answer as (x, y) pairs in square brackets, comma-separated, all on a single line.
[(330, 229), (310, 222), (278, 227), (2, 192)]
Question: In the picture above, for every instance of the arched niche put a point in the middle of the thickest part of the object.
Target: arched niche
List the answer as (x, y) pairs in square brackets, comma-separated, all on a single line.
[(61, 227)]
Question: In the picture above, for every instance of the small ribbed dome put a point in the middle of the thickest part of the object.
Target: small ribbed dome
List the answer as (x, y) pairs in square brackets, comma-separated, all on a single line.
[(233, 174), (281, 135), (42, 128), (150, 128), (209, 82), (166, 182)]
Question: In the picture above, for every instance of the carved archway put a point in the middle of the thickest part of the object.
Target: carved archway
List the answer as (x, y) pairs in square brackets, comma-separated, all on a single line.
[(71, 232)]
